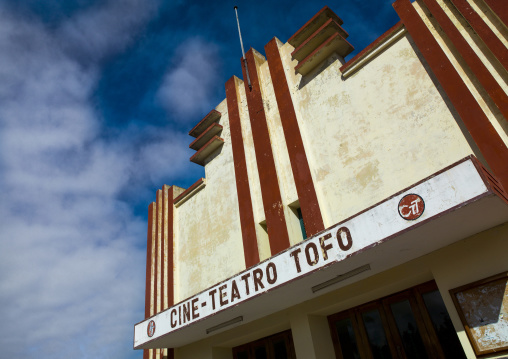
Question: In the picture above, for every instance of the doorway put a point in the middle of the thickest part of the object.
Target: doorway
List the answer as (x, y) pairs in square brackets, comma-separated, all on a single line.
[(277, 346), (410, 324)]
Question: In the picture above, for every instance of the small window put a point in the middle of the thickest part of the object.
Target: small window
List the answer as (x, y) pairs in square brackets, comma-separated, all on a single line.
[(302, 225)]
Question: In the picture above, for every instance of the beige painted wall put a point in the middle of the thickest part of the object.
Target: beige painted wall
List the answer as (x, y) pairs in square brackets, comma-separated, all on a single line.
[(208, 239), (376, 132)]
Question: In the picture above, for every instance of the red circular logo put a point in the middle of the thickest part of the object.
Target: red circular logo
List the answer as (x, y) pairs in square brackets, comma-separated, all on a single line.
[(151, 328), (411, 207)]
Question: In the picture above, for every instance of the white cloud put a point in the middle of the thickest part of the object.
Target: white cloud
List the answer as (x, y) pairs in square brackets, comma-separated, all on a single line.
[(189, 84), (106, 28), (70, 249)]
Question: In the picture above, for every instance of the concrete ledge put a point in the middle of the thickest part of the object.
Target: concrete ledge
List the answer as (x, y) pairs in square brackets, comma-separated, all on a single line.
[(374, 49), (317, 38), (202, 139), (334, 44), (206, 150), (189, 192), (312, 25), (211, 117)]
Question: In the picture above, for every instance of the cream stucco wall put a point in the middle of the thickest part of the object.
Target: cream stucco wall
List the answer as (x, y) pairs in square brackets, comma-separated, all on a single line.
[(376, 132), (208, 238)]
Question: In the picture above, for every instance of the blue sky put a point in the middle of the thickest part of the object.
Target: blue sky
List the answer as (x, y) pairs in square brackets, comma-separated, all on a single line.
[(96, 99)]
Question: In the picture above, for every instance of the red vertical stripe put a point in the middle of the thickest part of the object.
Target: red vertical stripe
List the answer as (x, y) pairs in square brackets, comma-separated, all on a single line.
[(250, 245), (270, 191), (488, 140), (469, 55), (157, 250), (170, 276), (500, 8), (301, 172), (148, 283), (163, 244), (483, 30)]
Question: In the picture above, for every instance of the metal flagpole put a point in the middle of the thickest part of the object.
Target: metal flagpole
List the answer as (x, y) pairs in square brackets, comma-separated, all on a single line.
[(243, 52)]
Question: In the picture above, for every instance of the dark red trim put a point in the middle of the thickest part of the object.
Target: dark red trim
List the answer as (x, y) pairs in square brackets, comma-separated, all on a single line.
[(188, 190), (371, 47), (301, 171), (335, 37), (469, 55), (213, 127), (163, 252), (500, 8), (270, 191), (491, 182), (212, 116), (148, 282), (314, 18), (146, 353), (483, 30), (215, 142), (488, 140), (248, 226), (170, 236), (157, 249), (329, 23)]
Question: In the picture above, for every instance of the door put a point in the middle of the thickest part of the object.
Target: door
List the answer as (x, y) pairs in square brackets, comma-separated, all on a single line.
[(413, 324), (277, 346)]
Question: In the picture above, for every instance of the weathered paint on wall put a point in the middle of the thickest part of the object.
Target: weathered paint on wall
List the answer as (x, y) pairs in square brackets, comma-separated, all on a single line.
[(207, 234), (487, 58), (368, 135)]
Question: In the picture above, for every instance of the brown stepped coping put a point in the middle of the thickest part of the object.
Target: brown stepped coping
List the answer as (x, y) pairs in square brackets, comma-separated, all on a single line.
[(206, 150), (317, 38), (189, 192), (202, 139), (312, 25), (372, 47), (213, 116), (334, 44)]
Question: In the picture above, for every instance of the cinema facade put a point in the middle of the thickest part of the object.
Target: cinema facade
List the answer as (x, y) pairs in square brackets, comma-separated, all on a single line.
[(351, 209)]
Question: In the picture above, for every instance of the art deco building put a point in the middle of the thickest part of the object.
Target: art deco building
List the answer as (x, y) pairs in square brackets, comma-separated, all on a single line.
[(350, 209)]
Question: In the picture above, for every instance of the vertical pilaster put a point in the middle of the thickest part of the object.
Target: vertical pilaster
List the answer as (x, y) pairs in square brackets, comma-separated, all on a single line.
[(311, 336), (484, 31), (483, 75), (482, 131), (250, 246), (300, 166), (158, 255), (270, 190)]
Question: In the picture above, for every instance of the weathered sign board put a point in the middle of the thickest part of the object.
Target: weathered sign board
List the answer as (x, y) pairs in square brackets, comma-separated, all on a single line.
[(432, 197)]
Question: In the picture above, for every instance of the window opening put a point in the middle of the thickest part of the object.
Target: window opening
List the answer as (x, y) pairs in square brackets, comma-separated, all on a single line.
[(302, 225)]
